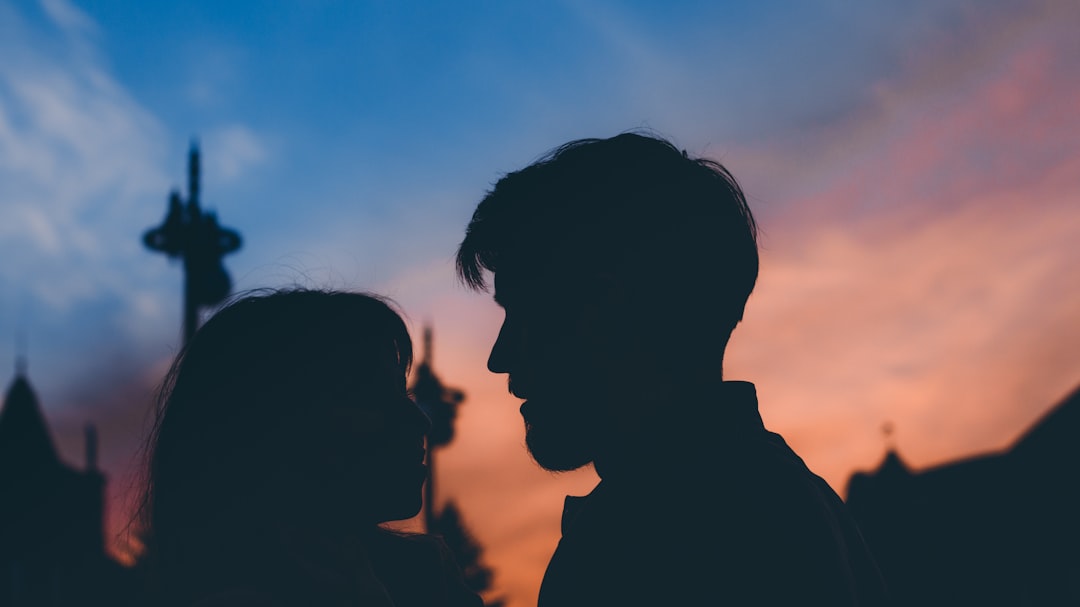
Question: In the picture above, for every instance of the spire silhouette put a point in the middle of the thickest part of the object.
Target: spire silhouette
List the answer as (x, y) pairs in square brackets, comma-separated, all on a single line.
[(194, 236), (52, 515), (21, 356), (25, 442)]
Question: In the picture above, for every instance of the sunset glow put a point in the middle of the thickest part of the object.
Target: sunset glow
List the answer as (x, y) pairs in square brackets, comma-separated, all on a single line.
[(915, 170)]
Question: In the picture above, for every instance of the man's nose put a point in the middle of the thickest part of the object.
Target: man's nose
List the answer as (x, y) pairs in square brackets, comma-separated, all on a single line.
[(501, 352)]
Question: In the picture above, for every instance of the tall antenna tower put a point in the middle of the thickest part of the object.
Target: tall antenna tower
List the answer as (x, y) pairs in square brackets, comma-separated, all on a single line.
[(194, 236)]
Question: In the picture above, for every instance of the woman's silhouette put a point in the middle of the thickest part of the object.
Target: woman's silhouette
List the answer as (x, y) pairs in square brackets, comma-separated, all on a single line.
[(284, 437)]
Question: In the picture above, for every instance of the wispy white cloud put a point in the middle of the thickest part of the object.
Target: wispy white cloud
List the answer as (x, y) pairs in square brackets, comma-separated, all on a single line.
[(233, 150), (77, 156), (68, 17)]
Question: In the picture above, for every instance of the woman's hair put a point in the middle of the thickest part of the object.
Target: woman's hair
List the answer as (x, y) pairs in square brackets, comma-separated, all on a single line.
[(232, 433)]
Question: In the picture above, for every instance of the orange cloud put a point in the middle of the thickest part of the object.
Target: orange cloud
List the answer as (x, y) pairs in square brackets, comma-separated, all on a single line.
[(929, 276)]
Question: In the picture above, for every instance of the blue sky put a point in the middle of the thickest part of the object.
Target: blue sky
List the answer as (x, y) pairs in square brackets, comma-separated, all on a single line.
[(344, 137), (913, 165)]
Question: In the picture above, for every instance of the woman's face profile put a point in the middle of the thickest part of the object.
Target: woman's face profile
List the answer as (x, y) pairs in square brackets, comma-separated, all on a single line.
[(368, 449)]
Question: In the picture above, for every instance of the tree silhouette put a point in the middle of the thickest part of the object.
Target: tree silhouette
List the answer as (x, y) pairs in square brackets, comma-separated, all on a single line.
[(441, 403), (478, 576)]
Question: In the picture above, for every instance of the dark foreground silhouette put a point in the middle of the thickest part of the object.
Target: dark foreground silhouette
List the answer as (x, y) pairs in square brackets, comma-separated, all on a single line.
[(52, 536), (995, 529), (285, 437), (623, 266)]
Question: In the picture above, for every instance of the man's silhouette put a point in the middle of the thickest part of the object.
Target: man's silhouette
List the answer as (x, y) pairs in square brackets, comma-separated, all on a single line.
[(623, 265)]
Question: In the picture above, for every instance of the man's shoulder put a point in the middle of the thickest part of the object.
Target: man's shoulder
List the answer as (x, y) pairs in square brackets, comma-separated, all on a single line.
[(744, 516), (759, 491)]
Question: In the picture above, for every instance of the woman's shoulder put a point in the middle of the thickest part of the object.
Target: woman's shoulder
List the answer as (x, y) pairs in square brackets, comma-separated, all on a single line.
[(420, 569), (416, 548)]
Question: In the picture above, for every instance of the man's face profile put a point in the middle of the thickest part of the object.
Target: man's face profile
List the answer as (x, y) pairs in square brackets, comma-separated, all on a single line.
[(545, 351)]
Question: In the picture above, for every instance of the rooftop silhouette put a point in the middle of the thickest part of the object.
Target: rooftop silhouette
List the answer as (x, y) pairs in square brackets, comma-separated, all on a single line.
[(991, 529), (52, 548)]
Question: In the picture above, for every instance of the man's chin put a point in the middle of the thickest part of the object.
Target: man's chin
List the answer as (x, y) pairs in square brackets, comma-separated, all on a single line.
[(556, 452)]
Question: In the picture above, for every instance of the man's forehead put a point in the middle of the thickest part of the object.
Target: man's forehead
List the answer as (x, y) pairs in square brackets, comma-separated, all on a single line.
[(503, 288), (510, 286)]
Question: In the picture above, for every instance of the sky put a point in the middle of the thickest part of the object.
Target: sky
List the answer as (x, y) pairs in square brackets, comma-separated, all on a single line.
[(914, 166)]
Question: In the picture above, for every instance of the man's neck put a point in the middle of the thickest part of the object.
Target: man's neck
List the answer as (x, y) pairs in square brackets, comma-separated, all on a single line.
[(663, 430)]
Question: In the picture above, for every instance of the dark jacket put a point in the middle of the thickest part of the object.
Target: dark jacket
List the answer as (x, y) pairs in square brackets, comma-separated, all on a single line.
[(717, 511)]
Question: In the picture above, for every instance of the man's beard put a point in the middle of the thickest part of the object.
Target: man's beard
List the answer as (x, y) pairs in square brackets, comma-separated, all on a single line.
[(562, 444), (552, 452)]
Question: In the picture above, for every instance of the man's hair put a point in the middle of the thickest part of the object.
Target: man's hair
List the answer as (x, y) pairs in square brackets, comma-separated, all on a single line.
[(676, 230)]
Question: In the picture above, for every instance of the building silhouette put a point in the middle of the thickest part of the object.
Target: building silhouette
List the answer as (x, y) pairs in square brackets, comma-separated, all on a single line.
[(52, 515), (1000, 528)]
